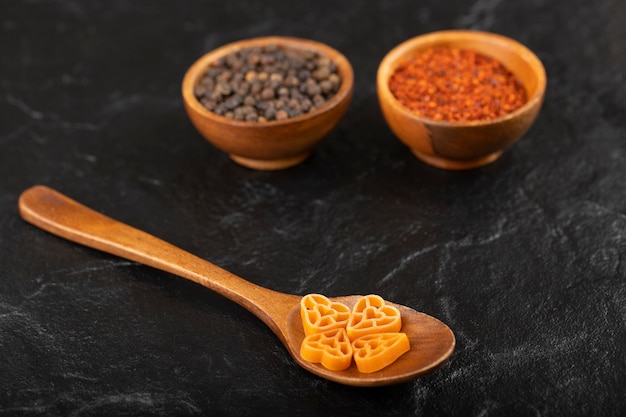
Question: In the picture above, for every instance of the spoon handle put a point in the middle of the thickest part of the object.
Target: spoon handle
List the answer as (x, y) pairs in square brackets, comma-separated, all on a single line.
[(64, 217)]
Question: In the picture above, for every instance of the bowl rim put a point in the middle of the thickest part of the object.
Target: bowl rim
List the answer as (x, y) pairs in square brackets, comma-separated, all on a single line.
[(521, 50), (199, 66)]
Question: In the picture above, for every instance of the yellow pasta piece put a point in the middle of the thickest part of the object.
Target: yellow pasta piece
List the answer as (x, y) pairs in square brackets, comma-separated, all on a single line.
[(319, 314), (371, 315), (331, 348), (374, 352), (334, 334)]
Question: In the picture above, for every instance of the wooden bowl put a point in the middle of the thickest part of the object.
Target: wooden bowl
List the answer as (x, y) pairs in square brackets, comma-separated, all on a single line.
[(463, 145), (273, 144)]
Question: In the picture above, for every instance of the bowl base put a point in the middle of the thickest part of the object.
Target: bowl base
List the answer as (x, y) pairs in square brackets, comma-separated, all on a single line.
[(456, 164), (269, 164)]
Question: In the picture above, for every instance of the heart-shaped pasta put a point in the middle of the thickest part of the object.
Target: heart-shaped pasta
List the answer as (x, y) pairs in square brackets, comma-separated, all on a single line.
[(331, 348), (373, 352), (334, 333), (371, 315), (319, 314)]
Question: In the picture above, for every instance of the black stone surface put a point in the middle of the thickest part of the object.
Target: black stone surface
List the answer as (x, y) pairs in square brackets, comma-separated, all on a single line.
[(524, 259)]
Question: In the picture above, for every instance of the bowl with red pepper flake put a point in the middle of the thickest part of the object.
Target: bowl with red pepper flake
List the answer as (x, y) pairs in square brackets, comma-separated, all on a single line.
[(268, 101), (459, 98)]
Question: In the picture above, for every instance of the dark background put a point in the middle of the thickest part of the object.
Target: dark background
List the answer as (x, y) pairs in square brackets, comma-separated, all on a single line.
[(524, 259)]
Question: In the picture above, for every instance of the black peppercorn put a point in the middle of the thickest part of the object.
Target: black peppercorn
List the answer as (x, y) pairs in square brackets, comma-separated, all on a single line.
[(262, 84)]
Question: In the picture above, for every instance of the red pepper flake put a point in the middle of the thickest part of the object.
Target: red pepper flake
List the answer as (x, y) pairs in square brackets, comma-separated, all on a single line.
[(454, 84)]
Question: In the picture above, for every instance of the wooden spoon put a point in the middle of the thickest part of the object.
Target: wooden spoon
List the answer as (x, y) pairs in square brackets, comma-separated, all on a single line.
[(432, 342)]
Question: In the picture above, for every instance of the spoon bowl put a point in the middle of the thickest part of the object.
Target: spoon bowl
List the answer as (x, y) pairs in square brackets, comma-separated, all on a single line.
[(432, 342)]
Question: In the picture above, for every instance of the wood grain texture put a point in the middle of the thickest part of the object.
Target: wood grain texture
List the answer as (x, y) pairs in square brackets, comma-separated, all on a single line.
[(463, 145), (275, 144)]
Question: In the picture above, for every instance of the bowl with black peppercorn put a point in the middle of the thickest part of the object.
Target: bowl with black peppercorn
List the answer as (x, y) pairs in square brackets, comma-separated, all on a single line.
[(459, 98), (268, 101)]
